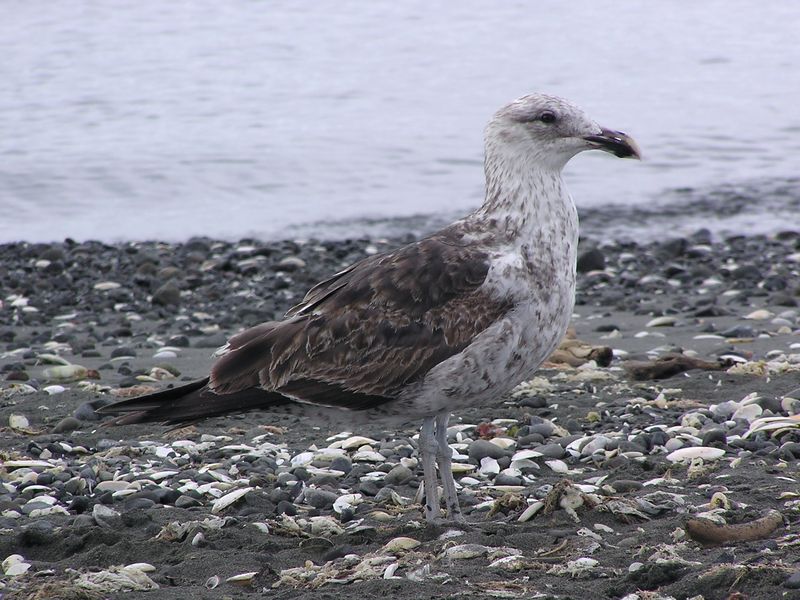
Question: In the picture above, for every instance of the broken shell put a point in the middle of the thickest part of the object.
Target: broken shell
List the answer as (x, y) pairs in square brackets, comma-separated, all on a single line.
[(529, 512), (489, 466), (225, 501), (262, 527), (15, 565), (354, 442), (688, 454), (557, 466), (465, 551), (18, 422), (400, 544), (243, 579), (346, 501), (212, 582), (142, 566), (325, 527)]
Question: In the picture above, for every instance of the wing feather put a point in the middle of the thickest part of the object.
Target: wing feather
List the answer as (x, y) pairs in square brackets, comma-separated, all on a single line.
[(359, 338)]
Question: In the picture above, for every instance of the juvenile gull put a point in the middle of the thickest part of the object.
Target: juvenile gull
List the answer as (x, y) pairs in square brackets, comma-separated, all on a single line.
[(451, 321)]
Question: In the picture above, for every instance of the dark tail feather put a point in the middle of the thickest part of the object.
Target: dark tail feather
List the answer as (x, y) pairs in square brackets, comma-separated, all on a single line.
[(187, 404)]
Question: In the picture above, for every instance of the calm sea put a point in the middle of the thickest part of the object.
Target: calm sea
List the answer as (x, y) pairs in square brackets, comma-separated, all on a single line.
[(140, 119)]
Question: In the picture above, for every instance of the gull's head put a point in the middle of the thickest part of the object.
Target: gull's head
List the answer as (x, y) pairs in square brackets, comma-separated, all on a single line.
[(549, 131)]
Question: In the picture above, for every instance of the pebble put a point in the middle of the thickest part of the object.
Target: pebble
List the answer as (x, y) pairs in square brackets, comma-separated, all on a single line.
[(319, 498), (106, 517), (398, 475), (480, 449), (168, 294), (66, 425), (793, 581)]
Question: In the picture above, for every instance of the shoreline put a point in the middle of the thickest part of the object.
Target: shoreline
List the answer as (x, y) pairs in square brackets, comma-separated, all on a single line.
[(150, 313)]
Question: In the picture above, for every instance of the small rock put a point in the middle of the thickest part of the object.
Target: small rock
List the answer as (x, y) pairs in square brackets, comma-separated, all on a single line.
[(480, 449), (319, 498), (290, 263), (793, 581), (123, 351), (168, 294), (106, 517), (398, 475), (66, 425), (551, 450), (591, 260)]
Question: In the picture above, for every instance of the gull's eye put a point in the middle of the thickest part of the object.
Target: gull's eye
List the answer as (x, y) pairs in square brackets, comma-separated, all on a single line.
[(548, 117)]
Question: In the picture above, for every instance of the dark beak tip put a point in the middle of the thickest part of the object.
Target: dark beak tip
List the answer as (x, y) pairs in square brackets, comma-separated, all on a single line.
[(617, 143)]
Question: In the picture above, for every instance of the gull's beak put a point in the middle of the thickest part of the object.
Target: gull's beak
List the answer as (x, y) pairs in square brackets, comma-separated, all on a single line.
[(618, 143)]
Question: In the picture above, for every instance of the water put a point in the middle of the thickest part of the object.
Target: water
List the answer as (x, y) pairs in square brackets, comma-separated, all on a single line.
[(134, 120)]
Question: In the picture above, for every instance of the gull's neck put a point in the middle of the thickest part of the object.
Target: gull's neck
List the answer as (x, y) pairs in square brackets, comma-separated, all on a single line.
[(526, 200)]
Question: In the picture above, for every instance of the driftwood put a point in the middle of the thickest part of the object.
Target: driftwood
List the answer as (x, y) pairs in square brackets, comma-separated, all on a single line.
[(668, 365), (713, 534)]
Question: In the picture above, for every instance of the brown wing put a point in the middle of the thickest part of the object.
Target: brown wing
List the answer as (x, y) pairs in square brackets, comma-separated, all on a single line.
[(362, 336)]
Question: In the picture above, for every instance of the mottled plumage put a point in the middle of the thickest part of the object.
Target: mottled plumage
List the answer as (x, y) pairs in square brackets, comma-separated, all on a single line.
[(452, 320)]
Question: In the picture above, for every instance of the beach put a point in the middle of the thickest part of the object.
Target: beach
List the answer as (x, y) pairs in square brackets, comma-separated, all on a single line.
[(657, 458)]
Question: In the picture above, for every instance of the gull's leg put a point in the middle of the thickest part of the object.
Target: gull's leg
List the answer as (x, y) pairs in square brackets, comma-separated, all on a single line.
[(444, 458), (427, 449)]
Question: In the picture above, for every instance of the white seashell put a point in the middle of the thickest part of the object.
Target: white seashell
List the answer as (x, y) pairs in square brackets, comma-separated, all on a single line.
[(580, 565), (369, 456), (325, 527), (212, 582), (390, 570), (462, 468), (142, 566), (466, 551), (661, 322), (65, 373), (400, 544), (104, 286), (748, 412), (302, 459), (244, 579), (381, 516), (225, 501), (688, 454), (354, 442), (346, 501), (54, 389), (12, 559), (161, 354), (262, 527), (159, 475), (526, 454), (503, 442), (18, 568), (557, 466), (198, 540), (760, 315), (18, 422), (489, 466), (514, 562), (112, 486)]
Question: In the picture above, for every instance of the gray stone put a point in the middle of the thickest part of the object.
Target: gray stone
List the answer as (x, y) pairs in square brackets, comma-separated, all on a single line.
[(106, 517), (551, 450), (66, 425), (168, 294), (505, 479), (793, 581), (342, 463), (319, 498), (398, 475), (479, 449)]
